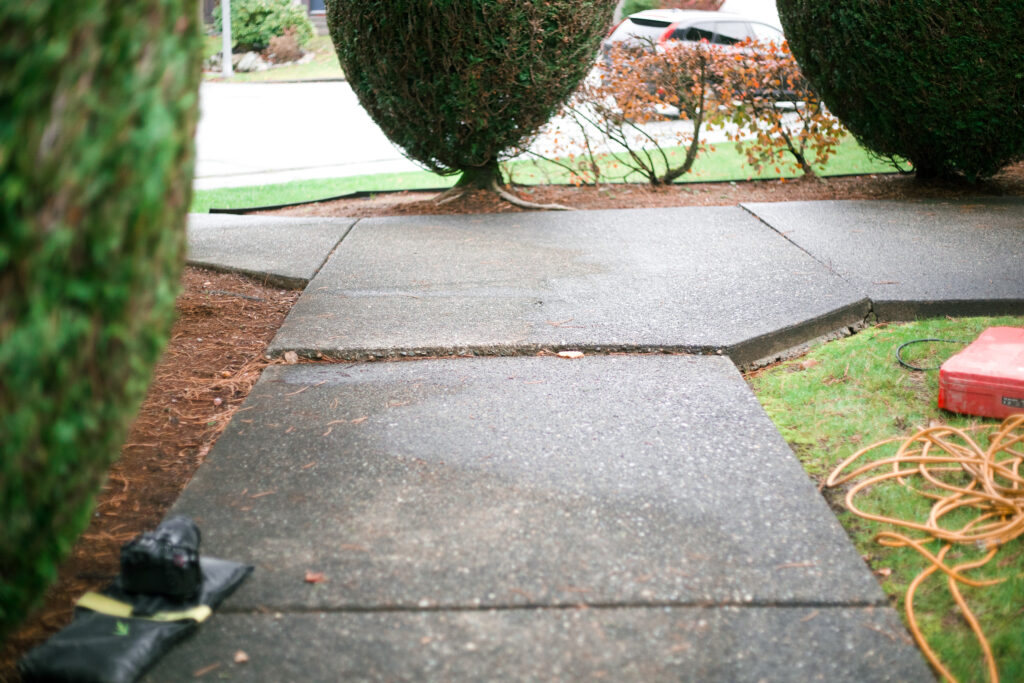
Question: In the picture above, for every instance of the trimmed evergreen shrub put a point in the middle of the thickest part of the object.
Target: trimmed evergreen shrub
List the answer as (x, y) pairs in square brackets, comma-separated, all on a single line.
[(937, 82), (98, 107), (457, 84), (255, 22)]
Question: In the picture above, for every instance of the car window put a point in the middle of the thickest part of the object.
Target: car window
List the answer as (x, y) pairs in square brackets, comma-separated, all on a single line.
[(766, 33), (731, 32), (636, 31), (696, 33)]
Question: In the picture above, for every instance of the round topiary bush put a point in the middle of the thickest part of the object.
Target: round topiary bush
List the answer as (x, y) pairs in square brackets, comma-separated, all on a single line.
[(98, 107), (939, 83), (457, 84), (255, 22)]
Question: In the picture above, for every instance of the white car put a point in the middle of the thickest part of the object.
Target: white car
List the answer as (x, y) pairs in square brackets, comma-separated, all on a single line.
[(660, 26)]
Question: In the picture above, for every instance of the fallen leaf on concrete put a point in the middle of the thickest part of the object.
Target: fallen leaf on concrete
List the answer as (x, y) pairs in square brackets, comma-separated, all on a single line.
[(315, 577), (291, 358), (570, 354), (360, 419), (562, 323), (241, 657), (206, 669)]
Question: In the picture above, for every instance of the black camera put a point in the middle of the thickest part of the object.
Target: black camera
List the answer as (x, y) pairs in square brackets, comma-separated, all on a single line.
[(163, 562)]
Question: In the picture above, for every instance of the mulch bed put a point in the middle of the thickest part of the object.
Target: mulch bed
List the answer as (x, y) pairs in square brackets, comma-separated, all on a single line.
[(1010, 182)]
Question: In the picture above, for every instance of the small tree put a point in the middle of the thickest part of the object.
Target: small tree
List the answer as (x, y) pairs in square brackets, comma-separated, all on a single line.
[(458, 84), (637, 85), (766, 96)]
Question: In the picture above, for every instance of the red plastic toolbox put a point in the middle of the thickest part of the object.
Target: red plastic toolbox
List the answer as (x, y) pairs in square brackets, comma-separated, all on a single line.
[(986, 378)]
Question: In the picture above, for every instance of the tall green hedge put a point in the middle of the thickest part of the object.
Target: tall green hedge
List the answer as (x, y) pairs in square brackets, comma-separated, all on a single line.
[(457, 84), (940, 83), (98, 106)]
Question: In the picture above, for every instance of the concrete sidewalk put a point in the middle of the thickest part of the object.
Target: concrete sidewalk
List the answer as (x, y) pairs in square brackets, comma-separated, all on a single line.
[(630, 515)]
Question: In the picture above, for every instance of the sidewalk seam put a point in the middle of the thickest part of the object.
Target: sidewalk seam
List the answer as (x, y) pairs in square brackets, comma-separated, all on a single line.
[(412, 609)]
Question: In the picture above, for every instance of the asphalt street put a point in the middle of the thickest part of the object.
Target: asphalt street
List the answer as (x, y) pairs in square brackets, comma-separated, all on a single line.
[(263, 133)]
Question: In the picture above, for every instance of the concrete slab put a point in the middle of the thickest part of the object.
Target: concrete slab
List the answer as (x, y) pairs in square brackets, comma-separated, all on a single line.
[(915, 258), (286, 252), (694, 279), (496, 482), (733, 645)]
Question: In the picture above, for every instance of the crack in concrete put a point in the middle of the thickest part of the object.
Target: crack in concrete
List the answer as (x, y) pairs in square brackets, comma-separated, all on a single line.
[(826, 264)]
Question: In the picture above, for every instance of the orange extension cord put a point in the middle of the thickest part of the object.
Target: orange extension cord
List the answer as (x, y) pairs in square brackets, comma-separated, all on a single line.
[(937, 459)]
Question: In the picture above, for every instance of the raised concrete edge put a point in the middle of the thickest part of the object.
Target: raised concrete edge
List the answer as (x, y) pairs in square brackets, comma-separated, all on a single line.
[(903, 311), (263, 277), (266, 255), (746, 354)]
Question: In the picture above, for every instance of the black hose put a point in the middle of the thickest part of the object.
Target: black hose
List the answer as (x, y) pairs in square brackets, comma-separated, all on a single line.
[(899, 352)]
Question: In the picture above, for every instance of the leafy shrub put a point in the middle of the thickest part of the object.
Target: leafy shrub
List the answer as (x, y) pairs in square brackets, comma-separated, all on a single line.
[(939, 83), (284, 48), (759, 89), (760, 79), (255, 22), (98, 101), (456, 84)]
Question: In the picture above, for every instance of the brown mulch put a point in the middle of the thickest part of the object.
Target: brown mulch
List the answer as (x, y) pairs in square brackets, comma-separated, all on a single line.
[(1010, 182), (226, 321), (214, 356)]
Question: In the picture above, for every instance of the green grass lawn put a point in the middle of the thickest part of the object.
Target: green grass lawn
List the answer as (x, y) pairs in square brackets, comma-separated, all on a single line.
[(851, 393), (307, 190), (324, 65), (722, 164)]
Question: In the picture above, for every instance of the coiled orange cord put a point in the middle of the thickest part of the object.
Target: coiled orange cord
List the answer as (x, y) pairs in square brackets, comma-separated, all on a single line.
[(940, 457)]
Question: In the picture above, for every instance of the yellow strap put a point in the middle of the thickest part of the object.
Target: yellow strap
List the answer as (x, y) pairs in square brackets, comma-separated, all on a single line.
[(105, 604)]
